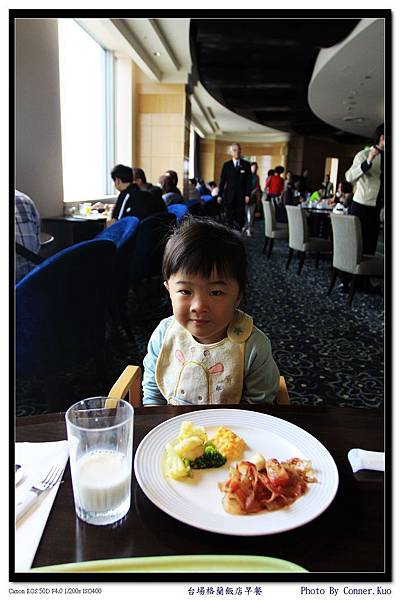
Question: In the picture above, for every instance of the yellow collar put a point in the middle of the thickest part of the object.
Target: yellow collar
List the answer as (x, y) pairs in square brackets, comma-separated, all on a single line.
[(240, 328)]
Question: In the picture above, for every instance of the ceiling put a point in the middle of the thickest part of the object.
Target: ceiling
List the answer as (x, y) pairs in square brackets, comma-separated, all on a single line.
[(161, 49), (261, 69), (353, 74), (251, 81)]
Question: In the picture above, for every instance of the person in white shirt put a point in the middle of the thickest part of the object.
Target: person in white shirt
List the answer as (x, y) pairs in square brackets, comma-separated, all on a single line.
[(367, 172)]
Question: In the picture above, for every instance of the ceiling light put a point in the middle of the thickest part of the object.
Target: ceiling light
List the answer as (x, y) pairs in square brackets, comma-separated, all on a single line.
[(157, 53)]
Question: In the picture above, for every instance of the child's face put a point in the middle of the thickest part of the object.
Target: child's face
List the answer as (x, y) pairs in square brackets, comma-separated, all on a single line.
[(204, 307)]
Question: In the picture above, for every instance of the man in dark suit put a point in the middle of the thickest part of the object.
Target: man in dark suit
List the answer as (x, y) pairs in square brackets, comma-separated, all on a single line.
[(235, 187)]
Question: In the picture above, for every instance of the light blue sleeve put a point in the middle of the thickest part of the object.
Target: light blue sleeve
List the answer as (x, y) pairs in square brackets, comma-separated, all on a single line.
[(151, 393), (261, 375)]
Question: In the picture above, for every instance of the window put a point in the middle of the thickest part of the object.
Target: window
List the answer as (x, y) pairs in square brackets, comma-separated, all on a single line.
[(86, 114)]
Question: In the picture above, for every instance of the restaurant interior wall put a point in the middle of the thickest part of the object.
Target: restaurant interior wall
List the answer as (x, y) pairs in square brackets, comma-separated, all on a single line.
[(213, 154), (37, 114), (162, 128), (312, 153), (315, 153)]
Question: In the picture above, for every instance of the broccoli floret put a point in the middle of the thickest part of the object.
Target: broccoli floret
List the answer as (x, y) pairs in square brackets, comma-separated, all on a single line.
[(211, 459)]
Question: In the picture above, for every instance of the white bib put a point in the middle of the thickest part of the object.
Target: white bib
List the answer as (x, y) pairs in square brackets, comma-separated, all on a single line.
[(191, 373)]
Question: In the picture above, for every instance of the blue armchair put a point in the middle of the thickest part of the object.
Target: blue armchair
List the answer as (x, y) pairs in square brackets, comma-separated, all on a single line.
[(179, 210), (122, 234), (61, 308)]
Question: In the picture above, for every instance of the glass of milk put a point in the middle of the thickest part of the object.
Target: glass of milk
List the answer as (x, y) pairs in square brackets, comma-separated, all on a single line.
[(100, 436)]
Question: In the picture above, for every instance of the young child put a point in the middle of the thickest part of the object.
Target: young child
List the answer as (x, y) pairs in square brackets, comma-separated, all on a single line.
[(208, 352)]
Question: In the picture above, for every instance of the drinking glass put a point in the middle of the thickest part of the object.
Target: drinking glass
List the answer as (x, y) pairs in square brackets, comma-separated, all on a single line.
[(100, 435)]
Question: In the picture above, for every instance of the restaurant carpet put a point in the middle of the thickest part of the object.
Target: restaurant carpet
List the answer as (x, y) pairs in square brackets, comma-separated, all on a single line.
[(329, 353)]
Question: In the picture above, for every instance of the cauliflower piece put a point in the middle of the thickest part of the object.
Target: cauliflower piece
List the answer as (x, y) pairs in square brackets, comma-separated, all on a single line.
[(190, 447), (176, 467), (188, 430)]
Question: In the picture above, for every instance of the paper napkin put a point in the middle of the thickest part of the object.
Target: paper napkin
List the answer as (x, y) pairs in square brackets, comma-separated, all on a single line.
[(366, 459), (36, 459)]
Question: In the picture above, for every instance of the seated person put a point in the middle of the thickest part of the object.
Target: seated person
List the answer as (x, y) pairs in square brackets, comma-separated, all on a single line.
[(27, 232), (209, 351), (139, 179), (213, 189), (315, 198), (174, 178), (132, 202), (193, 191), (299, 196), (344, 195), (201, 187), (169, 193)]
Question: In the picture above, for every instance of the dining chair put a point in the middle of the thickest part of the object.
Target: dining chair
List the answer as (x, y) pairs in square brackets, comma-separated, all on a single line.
[(273, 230), (149, 242), (129, 382), (121, 233), (60, 323), (196, 208), (211, 208), (179, 210), (299, 239), (348, 254)]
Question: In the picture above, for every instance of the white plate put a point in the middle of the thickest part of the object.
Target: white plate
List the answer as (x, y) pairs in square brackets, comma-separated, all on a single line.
[(198, 501), (19, 475)]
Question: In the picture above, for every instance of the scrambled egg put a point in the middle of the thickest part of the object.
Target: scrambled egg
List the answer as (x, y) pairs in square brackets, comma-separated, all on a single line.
[(228, 443)]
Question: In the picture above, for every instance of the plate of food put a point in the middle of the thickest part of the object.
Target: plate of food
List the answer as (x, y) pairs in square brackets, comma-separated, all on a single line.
[(236, 472)]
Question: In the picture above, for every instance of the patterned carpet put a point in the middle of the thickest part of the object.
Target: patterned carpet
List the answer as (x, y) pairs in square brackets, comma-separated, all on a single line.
[(330, 354)]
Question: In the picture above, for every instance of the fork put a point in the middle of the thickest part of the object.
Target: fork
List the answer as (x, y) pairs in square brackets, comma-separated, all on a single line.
[(51, 479)]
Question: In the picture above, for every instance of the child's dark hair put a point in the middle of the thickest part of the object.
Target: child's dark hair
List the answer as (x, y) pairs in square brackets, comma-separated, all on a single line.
[(198, 246)]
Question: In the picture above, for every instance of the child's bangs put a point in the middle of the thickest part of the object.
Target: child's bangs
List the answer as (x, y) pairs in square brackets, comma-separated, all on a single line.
[(206, 262)]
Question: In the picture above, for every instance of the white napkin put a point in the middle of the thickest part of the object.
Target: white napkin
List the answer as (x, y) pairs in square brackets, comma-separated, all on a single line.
[(36, 460), (366, 459)]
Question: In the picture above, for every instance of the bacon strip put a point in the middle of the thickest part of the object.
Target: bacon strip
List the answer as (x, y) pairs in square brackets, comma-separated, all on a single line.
[(278, 485)]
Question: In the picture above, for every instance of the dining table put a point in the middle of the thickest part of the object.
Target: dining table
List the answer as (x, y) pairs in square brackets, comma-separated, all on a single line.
[(319, 222), (349, 538)]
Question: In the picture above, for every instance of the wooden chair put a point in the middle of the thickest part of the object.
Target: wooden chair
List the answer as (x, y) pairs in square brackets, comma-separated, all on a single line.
[(130, 382)]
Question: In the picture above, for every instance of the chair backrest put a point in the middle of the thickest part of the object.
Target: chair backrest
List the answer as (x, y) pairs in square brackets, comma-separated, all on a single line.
[(347, 242), (122, 234), (179, 210), (196, 208), (191, 202), (298, 231), (210, 207), (149, 242), (61, 309), (119, 232), (269, 217)]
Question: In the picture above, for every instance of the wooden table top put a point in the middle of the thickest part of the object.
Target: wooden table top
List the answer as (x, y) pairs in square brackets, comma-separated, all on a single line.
[(347, 538)]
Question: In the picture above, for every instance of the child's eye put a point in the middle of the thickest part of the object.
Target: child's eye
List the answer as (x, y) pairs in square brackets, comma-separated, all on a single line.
[(216, 293), (184, 292)]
